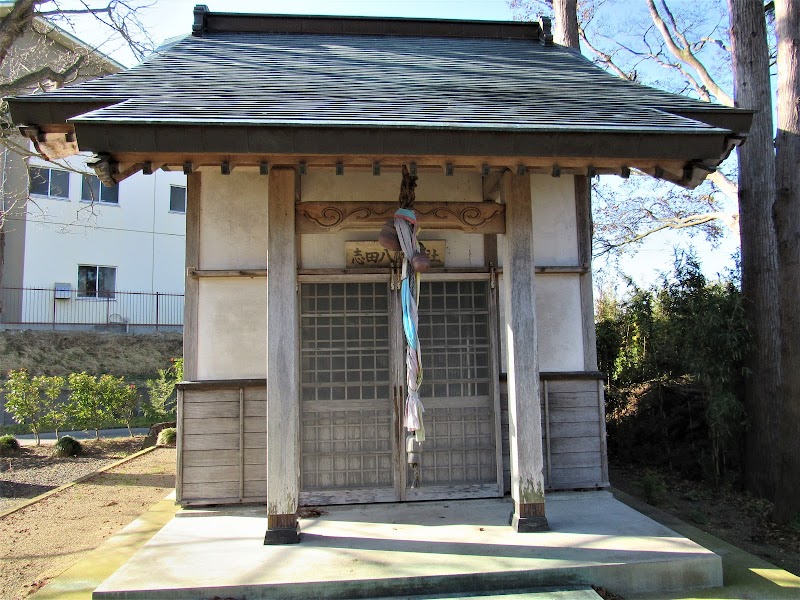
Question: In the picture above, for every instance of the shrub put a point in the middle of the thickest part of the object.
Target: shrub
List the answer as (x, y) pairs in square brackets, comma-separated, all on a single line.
[(24, 401), (161, 404), (67, 446), (119, 398), (8, 445), (52, 387), (86, 405), (167, 437)]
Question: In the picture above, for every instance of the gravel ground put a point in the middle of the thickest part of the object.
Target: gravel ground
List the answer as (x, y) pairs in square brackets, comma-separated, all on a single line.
[(35, 471), (40, 541)]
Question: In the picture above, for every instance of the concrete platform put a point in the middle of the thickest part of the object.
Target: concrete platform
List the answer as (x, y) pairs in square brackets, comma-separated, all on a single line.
[(430, 549)]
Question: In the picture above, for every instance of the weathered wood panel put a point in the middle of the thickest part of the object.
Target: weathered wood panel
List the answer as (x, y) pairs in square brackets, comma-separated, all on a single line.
[(201, 458), (210, 493), (577, 457), (212, 426), (470, 217), (211, 410), (221, 452)]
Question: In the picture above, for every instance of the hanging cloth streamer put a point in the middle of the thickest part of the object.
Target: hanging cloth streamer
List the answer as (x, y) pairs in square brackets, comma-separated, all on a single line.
[(405, 222)]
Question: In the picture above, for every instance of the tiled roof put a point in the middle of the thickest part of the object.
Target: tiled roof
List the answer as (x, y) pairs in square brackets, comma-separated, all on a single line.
[(381, 81)]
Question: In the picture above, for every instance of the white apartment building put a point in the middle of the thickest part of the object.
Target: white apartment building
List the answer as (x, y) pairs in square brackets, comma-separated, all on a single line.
[(78, 253), (72, 252)]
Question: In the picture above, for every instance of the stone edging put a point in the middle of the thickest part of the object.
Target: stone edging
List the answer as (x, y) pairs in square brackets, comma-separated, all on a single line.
[(80, 479)]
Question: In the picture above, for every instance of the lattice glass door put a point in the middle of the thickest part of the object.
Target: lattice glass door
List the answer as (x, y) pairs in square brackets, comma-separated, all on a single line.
[(460, 456), (348, 434), (352, 373)]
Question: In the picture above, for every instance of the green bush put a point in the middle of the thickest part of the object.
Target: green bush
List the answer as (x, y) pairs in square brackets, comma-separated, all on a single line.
[(167, 437), (673, 354), (87, 405), (67, 446), (24, 401), (161, 404), (8, 445)]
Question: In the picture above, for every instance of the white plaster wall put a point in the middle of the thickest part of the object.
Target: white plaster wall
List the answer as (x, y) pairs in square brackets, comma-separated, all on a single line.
[(558, 322), (555, 241), (232, 328), (233, 220), (558, 313), (326, 186), (138, 236)]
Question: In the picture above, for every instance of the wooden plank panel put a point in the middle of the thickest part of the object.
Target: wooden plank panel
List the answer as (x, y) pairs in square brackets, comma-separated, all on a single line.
[(210, 426), (255, 489), (255, 472), (210, 475), (211, 491), (216, 458), (255, 425), (255, 456), (573, 385), (575, 415), (574, 399), (196, 396), (573, 430), (223, 441), (255, 440), (577, 459), (255, 395), (211, 410), (574, 444), (570, 478), (255, 408)]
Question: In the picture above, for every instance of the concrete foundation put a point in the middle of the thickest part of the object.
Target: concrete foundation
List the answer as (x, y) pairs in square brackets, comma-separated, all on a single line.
[(390, 550)]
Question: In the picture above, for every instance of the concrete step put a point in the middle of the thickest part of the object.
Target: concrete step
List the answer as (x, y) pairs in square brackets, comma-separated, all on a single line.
[(561, 593)]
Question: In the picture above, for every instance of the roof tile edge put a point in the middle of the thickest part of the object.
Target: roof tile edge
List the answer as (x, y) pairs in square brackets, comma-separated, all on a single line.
[(207, 22)]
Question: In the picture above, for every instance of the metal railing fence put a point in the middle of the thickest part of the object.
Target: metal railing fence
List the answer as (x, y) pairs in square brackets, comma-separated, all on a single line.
[(121, 311)]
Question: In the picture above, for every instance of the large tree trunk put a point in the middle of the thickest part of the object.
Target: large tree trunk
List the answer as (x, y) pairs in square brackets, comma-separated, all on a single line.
[(566, 23), (787, 227), (759, 253)]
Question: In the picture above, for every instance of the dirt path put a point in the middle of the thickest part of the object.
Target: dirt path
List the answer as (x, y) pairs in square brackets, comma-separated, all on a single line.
[(42, 540)]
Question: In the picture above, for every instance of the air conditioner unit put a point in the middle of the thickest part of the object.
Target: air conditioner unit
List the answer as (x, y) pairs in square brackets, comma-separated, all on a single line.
[(63, 291)]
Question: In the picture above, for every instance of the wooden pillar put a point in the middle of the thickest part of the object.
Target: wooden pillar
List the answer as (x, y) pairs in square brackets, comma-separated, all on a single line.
[(192, 285), (524, 411), (583, 216), (283, 407)]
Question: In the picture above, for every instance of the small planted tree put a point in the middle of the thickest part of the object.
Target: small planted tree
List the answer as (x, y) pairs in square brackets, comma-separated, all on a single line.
[(119, 397), (86, 404), (51, 387), (24, 401), (162, 390)]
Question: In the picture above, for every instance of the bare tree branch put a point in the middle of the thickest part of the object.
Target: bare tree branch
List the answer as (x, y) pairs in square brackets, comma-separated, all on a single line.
[(685, 54), (725, 185)]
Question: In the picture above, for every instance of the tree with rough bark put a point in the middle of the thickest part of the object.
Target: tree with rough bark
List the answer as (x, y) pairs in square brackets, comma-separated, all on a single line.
[(787, 226), (697, 51), (751, 60)]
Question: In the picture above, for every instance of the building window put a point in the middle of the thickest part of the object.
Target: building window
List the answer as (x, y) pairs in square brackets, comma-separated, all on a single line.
[(49, 182), (177, 199), (94, 191), (96, 282)]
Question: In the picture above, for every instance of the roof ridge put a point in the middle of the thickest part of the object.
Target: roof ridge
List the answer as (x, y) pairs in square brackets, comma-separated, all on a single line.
[(207, 22)]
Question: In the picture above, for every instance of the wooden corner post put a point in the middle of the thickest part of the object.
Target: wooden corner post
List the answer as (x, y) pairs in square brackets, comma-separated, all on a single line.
[(283, 405), (524, 410)]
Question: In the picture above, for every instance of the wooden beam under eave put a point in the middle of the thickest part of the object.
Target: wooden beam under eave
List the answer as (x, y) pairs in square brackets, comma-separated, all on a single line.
[(469, 217)]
